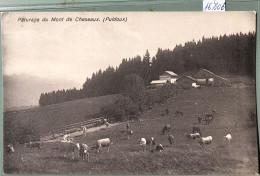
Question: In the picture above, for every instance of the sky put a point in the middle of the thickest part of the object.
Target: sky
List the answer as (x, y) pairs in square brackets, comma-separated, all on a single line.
[(72, 51)]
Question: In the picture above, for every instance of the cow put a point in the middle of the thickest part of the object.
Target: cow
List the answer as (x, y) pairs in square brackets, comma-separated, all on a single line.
[(150, 141), (193, 135), (33, 145), (167, 111), (166, 128), (159, 147), (196, 130), (133, 118), (208, 118), (205, 140), (129, 133), (142, 143), (178, 113), (101, 143), (171, 139), (228, 138), (84, 151), (199, 119), (10, 148), (68, 147)]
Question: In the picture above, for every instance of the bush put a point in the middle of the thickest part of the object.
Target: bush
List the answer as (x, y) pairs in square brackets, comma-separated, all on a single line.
[(20, 131)]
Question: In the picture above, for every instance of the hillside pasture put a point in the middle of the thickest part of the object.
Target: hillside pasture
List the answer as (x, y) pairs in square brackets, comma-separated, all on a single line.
[(52, 116), (186, 156)]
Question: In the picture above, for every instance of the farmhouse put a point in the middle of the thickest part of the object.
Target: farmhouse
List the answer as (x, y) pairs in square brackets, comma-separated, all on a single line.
[(158, 83), (169, 76), (186, 81), (205, 77)]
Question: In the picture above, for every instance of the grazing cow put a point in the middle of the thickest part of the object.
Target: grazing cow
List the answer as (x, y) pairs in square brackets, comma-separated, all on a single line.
[(167, 111), (199, 119), (33, 145), (127, 126), (158, 147), (129, 133), (228, 138), (10, 148), (102, 143), (150, 141), (134, 117), (68, 147), (107, 124), (193, 136), (166, 128), (196, 130), (171, 139), (178, 113), (208, 118), (142, 143), (205, 140), (84, 151)]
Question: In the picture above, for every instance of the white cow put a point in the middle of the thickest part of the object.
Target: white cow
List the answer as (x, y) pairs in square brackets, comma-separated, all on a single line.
[(68, 147), (205, 140), (101, 143), (10, 148), (193, 136), (142, 143), (228, 138)]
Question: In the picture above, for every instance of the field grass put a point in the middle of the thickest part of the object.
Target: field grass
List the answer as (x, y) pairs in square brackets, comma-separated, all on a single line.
[(52, 116), (186, 156)]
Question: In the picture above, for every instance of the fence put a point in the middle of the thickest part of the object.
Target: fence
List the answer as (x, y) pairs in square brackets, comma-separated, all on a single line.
[(76, 126)]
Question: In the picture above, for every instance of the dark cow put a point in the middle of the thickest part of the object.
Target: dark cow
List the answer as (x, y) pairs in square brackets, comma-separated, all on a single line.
[(199, 119), (167, 111), (208, 118), (166, 128), (133, 118), (178, 113), (196, 130), (33, 145), (150, 141)]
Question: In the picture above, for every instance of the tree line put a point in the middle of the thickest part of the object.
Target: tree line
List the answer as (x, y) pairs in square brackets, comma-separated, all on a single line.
[(233, 54)]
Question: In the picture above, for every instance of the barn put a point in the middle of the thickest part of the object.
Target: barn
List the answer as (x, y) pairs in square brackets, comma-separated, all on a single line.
[(158, 83), (170, 76), (205, 77), (186, 81)]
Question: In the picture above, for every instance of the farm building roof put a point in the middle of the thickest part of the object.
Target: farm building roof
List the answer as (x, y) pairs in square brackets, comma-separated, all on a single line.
[(189, 77), (213, 74), (159, 82), (171, 73)]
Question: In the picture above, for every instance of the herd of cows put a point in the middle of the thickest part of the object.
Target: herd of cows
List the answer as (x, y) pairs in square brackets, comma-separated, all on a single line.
[(67, 146)]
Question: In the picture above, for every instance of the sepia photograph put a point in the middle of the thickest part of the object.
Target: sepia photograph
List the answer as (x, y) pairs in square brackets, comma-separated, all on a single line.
[(129, 93)]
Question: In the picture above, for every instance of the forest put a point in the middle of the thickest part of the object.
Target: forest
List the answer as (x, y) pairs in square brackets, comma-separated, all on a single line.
[(233, 55)]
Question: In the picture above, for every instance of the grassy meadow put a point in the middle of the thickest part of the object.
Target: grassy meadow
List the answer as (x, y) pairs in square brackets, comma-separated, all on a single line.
[(186, 156)]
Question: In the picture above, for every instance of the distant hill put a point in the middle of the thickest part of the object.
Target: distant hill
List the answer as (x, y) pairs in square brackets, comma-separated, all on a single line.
[(25, 90)]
